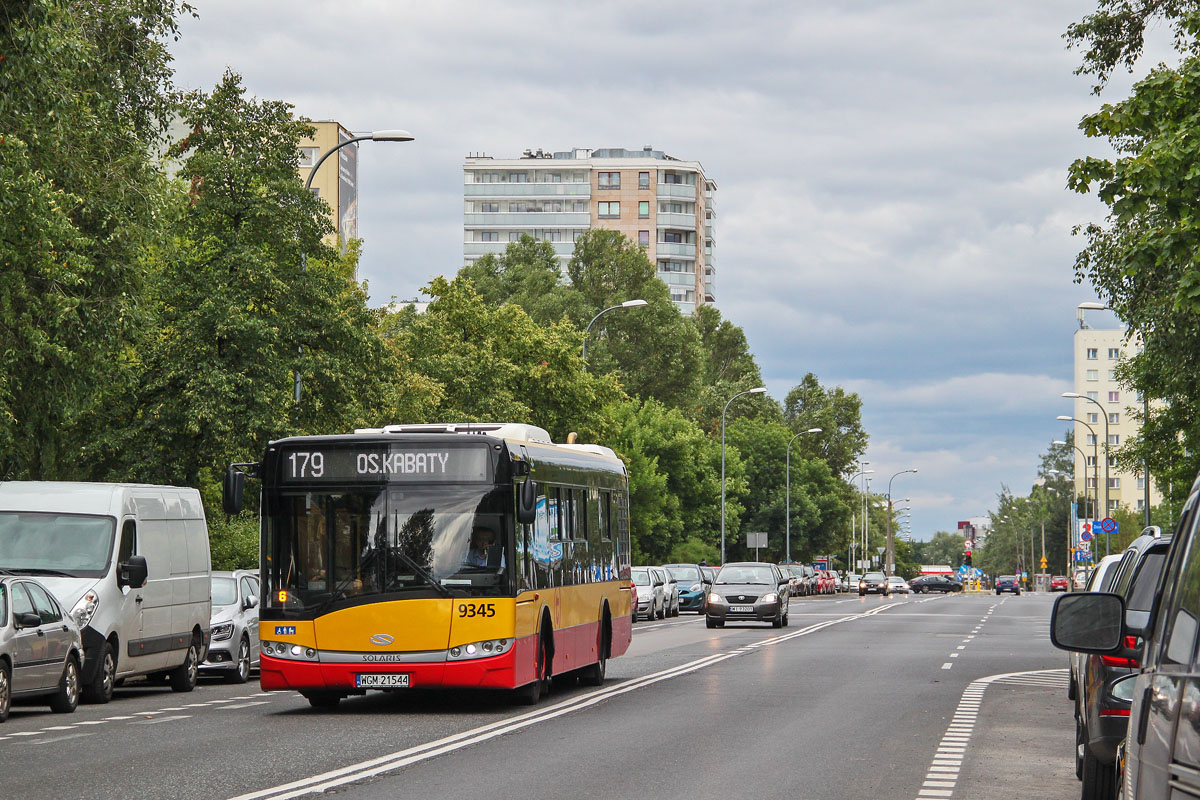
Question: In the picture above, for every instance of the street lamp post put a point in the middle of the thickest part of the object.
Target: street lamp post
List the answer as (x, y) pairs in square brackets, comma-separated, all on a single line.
[(1104, 414), (756, 390), (374, 136), (788, 494), (1095, 462), (1085, 493), (890, 565), (626, 304), (854, 543)]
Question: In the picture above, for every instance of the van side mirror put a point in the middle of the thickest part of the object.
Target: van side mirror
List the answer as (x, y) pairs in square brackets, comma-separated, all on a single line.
[(133, 573), (1088, 622), (233, 490), (28, 620), (527, 502)]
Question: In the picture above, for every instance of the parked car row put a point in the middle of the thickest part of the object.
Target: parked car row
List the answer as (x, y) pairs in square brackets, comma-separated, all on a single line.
[(103, 582), (1134, 661)]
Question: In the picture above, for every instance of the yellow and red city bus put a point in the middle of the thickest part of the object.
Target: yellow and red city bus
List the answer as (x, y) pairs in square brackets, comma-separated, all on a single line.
[(478, 555)]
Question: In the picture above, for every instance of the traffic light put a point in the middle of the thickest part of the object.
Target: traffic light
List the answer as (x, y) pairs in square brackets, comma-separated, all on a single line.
[(967, 559)]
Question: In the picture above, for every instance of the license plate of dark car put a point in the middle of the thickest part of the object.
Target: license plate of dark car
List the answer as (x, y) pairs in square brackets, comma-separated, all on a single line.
[(381, 681), (742, 609)]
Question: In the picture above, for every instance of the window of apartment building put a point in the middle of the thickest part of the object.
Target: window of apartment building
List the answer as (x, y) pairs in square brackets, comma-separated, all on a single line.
[(643, 209), (1114, 483), (1139, 397), (1093, 374), (1093, 395), (1114, 419), (644, 238), (643, 180), (1114, 439), (489, 208), (1093, 418), (514, 236), (673, 266), (672, 237), (1112, 462), (1141, 504), (1114, 397), (609, 210), (553, 177), (1093, 353), (1112, 374), (553, 236), (608, 180), (1091, 482), (518, 177), (672, 177), (1091, 439), (518, 208), (1113, 505), (1091, 461), (579, 205), (1141, 482), (670, 208), (1114, 353), (308, 156), (487, 177), (489, 236)]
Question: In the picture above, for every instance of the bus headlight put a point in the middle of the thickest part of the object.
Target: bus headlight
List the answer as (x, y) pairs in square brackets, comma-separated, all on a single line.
[(484, 649)]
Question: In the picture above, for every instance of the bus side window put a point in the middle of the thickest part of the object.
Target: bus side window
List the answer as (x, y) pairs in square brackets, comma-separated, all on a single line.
[(604, 510), (544, 533)]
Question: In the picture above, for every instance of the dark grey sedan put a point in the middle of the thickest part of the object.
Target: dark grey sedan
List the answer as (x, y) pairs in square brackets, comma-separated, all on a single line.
[(748, 590), (40, 647)]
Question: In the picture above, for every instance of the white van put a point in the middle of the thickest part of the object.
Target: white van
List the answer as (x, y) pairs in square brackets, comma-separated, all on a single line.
[(131, 562)]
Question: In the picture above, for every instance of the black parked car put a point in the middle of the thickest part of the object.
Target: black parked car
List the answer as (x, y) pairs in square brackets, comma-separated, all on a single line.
[(935, 583), (1101, 717), (1008, 583)]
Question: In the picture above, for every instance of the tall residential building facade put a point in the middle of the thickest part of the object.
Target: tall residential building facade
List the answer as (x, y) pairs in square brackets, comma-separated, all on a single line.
[(337, 186), (1097, 353), (661, 202)]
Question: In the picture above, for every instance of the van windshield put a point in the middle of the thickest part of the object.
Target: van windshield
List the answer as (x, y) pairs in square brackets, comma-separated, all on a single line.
[(73, 545)]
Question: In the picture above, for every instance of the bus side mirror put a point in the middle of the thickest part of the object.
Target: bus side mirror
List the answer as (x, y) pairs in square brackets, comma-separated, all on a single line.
[(527, 502), (233, 491)]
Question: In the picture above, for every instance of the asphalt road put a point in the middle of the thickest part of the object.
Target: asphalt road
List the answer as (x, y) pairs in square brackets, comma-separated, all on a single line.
[(858, 698)]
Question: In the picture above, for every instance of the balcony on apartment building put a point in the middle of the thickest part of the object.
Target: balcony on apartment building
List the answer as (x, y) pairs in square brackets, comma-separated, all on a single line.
[(685, 222), (676, 249), (476, 249), (678, 278), (472, 189), (539, 219), (682, 191)]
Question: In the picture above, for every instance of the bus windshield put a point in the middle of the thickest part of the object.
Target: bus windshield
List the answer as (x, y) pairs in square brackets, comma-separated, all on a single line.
[(324, 547), (73, 545)]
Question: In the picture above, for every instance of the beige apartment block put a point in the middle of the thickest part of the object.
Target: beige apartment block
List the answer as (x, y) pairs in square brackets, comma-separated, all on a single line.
[(1097, 353), (337, 179), (661, 202)]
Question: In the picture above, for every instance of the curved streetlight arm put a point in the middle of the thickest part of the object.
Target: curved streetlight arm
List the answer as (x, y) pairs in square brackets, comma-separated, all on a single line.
[(889, 562), (1104, 414), (626, 304), (755, 390)]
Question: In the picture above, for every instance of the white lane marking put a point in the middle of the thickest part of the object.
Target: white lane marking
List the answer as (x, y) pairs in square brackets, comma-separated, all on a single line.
[(388, 763), (947, 760), (59, 728), (91, 722), (157, 720), (948, 665), (54, 739), (246, 705)]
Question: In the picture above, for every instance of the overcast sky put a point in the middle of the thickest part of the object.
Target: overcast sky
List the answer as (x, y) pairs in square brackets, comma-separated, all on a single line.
[(891, 205)]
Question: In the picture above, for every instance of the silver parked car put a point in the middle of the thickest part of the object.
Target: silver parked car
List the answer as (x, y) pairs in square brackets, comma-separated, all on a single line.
[(40, 647), (651, 600), (234, 648), (670, 591)]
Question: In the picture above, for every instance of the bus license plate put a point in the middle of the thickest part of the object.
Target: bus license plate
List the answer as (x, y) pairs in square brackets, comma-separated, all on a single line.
[(384, 681), (742, 609)]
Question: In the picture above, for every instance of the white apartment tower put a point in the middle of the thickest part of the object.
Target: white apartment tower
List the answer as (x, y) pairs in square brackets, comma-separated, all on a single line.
[(1097, 352), (664, 204)]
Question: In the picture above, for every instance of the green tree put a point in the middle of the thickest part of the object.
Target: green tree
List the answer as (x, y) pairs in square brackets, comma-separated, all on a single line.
[(1114, 35), (527, 273), (944, 548), (84, 93), (839, 416)]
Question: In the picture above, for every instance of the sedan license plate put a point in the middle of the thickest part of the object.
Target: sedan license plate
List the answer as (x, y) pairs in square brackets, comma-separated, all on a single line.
[(381, 681), (742, 609)]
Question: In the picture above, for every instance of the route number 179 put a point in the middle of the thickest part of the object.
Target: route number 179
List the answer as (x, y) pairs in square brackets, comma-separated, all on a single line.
[(307, 465)]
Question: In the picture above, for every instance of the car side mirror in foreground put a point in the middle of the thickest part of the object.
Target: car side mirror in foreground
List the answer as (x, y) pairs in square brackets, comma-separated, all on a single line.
[(1088, 622), (28, 620), (250, 602)]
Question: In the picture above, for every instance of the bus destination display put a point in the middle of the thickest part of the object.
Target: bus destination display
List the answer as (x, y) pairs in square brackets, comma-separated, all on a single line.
[(385, 463)]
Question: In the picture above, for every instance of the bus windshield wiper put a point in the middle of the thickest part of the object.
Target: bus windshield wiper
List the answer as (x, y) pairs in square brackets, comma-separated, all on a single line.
[(422, 574)]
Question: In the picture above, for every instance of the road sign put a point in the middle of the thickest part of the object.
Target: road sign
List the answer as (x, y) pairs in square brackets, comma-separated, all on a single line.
[(1108, 525), (1086, 534), (1043, 562), (756, 539)]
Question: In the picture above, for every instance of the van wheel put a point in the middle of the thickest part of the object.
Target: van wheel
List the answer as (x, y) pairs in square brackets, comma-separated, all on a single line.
[(5, 690), (66, 698), (100, 690), (242, 673), (183, 677)]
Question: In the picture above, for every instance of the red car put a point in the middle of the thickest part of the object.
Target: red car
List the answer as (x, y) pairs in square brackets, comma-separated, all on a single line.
[(1059, 583), (826, 583)]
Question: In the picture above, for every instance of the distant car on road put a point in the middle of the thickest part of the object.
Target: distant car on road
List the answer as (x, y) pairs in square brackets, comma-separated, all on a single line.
[(873, 583), (1059, 583), (233, 651), (40, 647), (1008, 583), (748, 590), (935, 583), (670, 591), (850, 582), (650, 600), (693, 586), (898, 584)]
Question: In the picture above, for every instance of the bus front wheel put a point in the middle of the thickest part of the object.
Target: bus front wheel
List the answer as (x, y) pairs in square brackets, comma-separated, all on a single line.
[(322, 699)]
